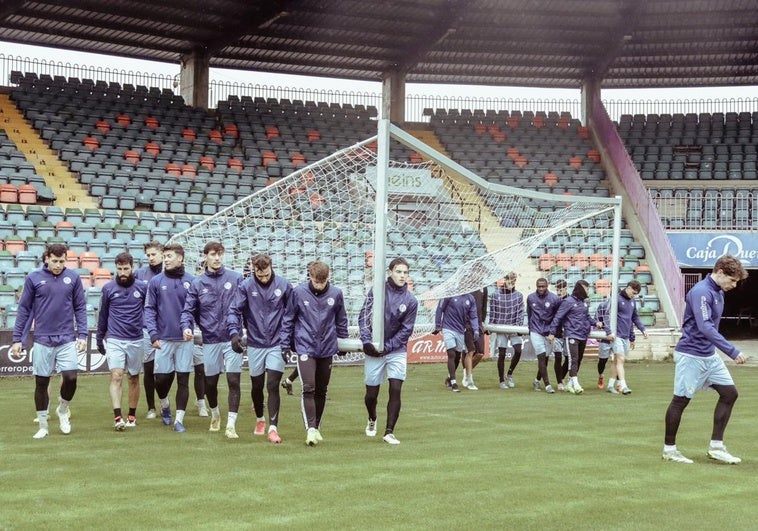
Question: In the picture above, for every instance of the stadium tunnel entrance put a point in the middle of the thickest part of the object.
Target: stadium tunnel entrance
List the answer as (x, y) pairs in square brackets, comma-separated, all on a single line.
[(740, 319)]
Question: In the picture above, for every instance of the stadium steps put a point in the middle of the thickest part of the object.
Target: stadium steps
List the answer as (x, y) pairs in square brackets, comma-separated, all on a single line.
[(69, 193)]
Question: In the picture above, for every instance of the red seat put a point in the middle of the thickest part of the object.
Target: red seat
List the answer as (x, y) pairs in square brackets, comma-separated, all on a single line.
[(103, 126), (123, 119), (152, 122), (546, 261), (153, 148), (27, 194), (132, 156), (189, 134), (173, 169), (215, 136), (235, 164), (101, 276), (207, 162), (91, 142)]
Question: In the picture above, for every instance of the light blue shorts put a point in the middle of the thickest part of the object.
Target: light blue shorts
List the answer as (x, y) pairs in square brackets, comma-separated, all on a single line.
[(693, 373), (197, 355), (148, 351), (540, 344), (219, 357), (173, 356), (125, 354), (604, 350), (558, 346), (59, 358), (454, 340), (260, 360), (621, 346), (393, 365), (508, 340)]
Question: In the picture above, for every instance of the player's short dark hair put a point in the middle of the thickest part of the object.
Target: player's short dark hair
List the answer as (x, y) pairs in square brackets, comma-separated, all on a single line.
[(319, 271), (635, 285), (56, 249), (541, 279), (124, 258), (261, 262), (154, 245), (174, 247), (511, 276), (731, 266), (560, 284), (398, 261), (213, 246)]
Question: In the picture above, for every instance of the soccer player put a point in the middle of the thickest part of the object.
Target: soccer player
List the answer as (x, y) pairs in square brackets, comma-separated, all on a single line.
[(574, 316), (451, 317), (697, 365), (209, 298), (541, 306), (560, 367), (53, 297), (507, 308), (626, 319), (259, 303), (474, 348), (166, 295), (122, 319), (400, 308), (314, 319), (154, 255)]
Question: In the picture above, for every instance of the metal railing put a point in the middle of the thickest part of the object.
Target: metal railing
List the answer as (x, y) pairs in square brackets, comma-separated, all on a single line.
[(416, 104), (706, 209)]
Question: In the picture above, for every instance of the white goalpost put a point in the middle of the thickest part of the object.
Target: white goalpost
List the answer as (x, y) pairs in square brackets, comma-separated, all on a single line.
[(357, 209)]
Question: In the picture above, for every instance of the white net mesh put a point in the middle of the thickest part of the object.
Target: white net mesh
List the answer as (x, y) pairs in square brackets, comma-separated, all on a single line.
[(458, 234)]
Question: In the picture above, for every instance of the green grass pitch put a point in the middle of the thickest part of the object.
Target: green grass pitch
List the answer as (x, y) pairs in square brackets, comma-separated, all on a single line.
[(490, 459)]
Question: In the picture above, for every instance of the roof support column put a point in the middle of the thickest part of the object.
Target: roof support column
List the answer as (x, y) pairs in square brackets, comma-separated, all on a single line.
[(393, 97), (590, 93), (193, 79)]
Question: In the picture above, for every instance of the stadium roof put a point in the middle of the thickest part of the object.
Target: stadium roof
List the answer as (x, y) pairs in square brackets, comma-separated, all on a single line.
[(539, 43)]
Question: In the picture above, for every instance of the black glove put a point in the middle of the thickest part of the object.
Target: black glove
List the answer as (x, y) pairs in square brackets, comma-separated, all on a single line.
[(435, 332), (341, 354), (101, 347), (286, 353), (237, 344), (483, 332), (370, 350)]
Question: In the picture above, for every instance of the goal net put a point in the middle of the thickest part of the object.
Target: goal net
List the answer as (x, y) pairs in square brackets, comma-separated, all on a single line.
[(458, 232)]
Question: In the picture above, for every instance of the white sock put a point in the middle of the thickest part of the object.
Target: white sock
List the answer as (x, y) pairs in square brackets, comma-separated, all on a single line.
[(717, 444), (260, 419), (179, 416), (669, 448), (42, 418), (164, 402), (201, 403), (215, 412), (453, 382), (231, 420), (575, 381), (611, 382), (272, 428), (62, 405), (622, 383)]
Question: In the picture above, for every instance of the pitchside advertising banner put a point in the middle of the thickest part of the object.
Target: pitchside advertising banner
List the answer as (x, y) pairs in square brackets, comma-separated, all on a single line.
[(701, 250)]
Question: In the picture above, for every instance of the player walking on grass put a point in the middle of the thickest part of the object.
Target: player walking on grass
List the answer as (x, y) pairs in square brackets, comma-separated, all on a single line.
[(207, 305), (507, 308), (574, 316), (474, 348), (53, 297), (119, 336), (452, 316), (154, 255), (400, 308), (697, 365), (626, 319), (166, 294), (260, 302), (541, 307), (314, 319)]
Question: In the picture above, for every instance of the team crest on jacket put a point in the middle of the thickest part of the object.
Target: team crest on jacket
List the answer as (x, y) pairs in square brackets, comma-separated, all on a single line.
[(186, 285), (67, 280), (278, 292), (137, 295), (547, 304), (330, 301), (402, 307), (228, 285)]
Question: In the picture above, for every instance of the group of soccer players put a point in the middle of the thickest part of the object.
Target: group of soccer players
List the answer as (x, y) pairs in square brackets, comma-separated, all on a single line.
[(147, 321)]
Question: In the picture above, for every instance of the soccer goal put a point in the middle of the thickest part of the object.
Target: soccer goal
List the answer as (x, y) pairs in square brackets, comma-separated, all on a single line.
[(358, 208)]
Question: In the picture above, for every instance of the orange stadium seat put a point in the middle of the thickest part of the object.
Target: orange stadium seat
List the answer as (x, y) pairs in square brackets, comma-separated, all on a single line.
[(72, 259), (215, 136), (101, 276), (89, 260), (575, 162), (268, 156), (123, 119), (298, 159), (189, 134), (208, 162), (231, 130), (546, 261), (152, 122), (235, 164), (91, 142), (14, 244), (583, 131), (173, 169), (551, 179), (597, 260), (580, 260), (153, 148), (603, 287), (103, 126), (272, 132), (594, 154), (563, 260), (132, 156), (188, 170), (27, 194), (313, 135)]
